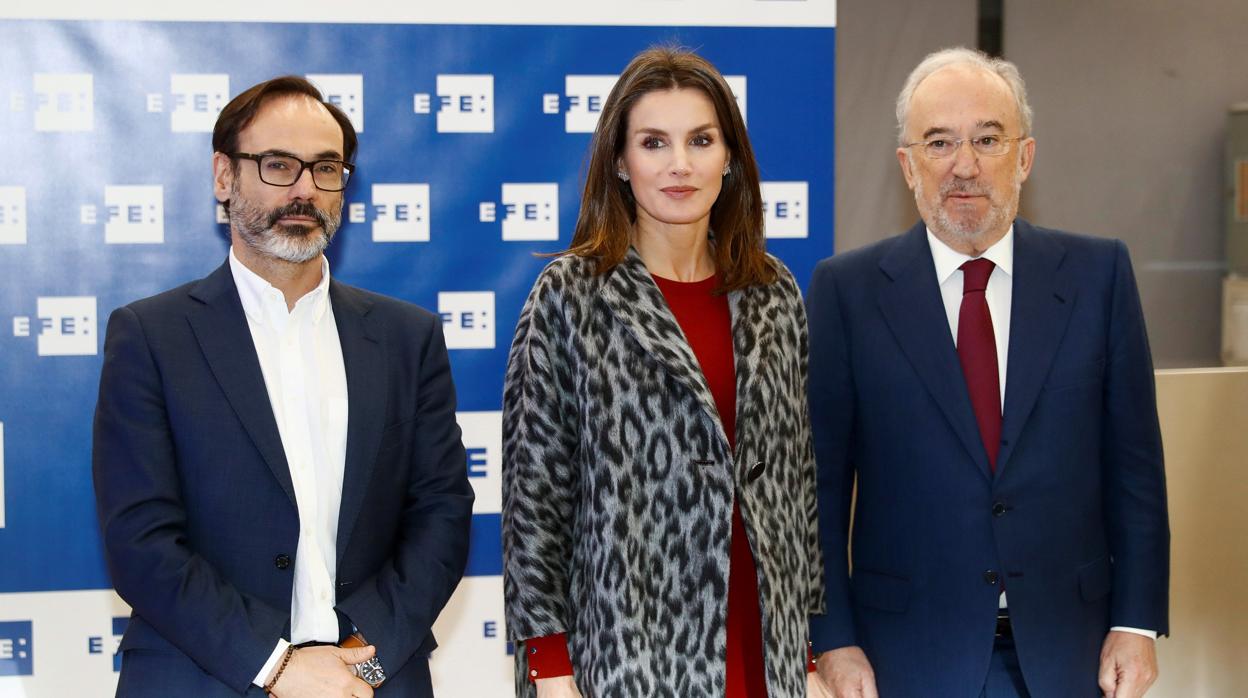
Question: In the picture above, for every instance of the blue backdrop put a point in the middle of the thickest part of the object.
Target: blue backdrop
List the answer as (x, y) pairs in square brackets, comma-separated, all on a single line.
[(106, 198)]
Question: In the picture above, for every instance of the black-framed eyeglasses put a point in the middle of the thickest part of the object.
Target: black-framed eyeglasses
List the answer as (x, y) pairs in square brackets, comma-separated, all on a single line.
[(285, 170), (940, 147)]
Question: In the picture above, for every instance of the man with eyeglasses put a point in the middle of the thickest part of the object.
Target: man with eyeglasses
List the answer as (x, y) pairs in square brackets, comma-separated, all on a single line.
[(281, 483), (981, 394)]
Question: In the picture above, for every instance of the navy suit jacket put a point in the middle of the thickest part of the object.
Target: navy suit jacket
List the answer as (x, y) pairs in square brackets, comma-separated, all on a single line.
[(198, 511), (1074, 518)]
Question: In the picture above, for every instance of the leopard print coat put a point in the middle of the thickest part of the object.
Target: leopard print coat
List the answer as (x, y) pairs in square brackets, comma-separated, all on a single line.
[(618, 484)]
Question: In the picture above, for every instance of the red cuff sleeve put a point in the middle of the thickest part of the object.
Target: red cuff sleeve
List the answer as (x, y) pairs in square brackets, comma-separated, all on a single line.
[(547, 656), (810, 659)]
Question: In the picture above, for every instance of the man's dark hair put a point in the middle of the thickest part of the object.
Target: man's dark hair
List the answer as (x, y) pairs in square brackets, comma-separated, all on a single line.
[(242, 109)]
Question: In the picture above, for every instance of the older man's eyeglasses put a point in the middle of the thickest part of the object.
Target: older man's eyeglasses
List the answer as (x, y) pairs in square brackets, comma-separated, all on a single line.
[(940, 147), (285, 170)]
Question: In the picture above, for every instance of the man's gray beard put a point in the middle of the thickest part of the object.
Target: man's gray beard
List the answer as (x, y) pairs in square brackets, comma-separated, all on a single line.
[(290, 243), (944, 227)]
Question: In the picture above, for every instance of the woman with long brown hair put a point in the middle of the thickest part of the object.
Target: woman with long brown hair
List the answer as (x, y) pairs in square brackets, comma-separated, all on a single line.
[(659, 523)]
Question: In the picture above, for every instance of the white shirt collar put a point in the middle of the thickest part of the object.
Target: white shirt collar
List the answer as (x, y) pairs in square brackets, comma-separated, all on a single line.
[(948, 260), (253, 290)]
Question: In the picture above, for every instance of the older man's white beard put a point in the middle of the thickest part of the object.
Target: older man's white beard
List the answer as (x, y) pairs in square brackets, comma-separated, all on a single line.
[(973, 232)]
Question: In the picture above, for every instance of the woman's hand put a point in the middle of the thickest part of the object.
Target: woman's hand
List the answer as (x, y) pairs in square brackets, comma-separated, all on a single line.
[(557, 687)]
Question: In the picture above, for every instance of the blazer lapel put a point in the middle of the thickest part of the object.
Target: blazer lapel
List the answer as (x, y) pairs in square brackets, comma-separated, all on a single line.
[(365, 362), (1042, 299), (636, 301), (220, 326), (913, 309)]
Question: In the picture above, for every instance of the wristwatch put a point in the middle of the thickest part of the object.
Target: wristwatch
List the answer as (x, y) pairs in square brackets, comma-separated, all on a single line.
[(370, 672)]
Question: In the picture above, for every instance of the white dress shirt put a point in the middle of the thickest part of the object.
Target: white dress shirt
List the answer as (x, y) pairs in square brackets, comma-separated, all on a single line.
[(999, 296), (301, 359)]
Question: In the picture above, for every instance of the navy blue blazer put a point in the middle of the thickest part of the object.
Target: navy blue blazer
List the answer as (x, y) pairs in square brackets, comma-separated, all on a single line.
[(1074, 519), (198, 511)]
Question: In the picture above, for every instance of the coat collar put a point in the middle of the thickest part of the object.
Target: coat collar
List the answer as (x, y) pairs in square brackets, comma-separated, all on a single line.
[(755, 346), (635, 300)]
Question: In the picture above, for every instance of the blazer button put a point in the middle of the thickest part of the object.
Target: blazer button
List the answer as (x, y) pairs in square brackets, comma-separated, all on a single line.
[(756, 471), (999, 509), (991, 577), (282, 561)]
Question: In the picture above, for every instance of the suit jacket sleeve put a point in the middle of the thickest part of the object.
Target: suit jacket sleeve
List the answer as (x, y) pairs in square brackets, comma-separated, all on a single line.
[(540, 474), (832, 417), (1134, 472), (143, 521), (396, 608)]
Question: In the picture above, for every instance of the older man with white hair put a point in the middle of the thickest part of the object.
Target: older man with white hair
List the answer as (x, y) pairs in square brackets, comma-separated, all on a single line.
[(985, 387)]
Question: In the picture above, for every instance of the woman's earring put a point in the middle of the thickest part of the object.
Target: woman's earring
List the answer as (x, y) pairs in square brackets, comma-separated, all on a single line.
[(622, 175), (727, 170)]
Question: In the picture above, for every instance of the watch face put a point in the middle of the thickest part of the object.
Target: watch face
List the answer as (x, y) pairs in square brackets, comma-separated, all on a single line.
[(371, 672)]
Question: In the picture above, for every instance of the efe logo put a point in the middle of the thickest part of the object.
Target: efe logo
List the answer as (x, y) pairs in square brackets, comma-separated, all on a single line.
[(64, 102), (66, 325), (585, 95), (16, 648), (345, 92), (483, 441), (400, 213), (530, 211), (196, 100), (465, 103), (467, 319), (786, 209), (135, 214)]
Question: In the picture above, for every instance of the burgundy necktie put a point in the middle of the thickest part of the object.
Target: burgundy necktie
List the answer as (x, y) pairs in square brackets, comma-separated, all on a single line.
[(977, 350)]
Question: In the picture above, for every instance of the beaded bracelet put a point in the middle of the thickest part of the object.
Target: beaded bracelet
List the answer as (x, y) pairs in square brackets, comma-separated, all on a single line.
[(290, 652)]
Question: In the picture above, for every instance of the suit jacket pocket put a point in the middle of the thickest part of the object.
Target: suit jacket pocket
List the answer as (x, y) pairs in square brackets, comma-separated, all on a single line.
[(880, 591), (1095, 580), (1067, 377)]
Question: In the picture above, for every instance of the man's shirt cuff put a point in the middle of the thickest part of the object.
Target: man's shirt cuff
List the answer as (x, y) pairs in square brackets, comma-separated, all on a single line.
[(268, 666), (1136, 631)]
